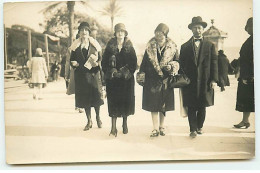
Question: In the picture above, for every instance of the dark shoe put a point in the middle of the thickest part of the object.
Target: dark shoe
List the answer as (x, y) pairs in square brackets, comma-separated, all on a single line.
[(113, 133), (193, 134), (199, 131), (125, 129), (242, 124), (88, 126), (99, 123), (161, 129), (154, 133)]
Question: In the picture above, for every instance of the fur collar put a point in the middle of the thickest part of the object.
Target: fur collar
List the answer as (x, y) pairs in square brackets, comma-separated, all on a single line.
[(170, 50), (112, 45), (92, 41)]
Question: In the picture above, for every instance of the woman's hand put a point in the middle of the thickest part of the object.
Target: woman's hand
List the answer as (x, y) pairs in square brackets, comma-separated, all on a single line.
[(74, 63), (168, 67)]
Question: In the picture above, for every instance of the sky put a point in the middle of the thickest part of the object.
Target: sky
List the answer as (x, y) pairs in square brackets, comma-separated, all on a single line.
[(142, 16)]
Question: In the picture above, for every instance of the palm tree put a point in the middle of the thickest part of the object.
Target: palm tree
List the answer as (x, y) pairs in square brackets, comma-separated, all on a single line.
[(112, 9), (70, 7)]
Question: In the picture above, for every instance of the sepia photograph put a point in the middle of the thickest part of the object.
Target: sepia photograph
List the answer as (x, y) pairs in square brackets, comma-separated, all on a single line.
[(127, 81)]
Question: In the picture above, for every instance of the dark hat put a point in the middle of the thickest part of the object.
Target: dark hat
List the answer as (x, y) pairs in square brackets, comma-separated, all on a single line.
[(119, 27), (249, 23), (197, 21), (162, 28), (220, 51), (84, 25)]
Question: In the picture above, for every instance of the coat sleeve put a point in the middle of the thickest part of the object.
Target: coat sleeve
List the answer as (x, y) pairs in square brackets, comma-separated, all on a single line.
[(214, 65), (132, 63), (105, 60), (182, 60), (144, 63), (67, 65)]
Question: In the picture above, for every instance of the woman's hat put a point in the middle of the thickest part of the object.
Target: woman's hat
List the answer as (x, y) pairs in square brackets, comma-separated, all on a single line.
[(84, 25), (120, 27), (162, 28), (249, 23), (38, 52), (197, 21)]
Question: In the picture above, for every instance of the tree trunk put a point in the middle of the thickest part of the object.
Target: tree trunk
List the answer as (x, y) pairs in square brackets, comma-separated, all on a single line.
[(112, 24), (70, 7)]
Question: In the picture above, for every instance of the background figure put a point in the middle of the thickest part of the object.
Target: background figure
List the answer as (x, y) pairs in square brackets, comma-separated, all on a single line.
[(39, 73), (87, 63), (159, 62), (245, 90), (62, 70), (119, 64), (55, 70), (223, 69), (199, 61)]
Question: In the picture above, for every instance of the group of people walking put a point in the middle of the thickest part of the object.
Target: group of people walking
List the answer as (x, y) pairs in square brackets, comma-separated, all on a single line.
[(197, 59)]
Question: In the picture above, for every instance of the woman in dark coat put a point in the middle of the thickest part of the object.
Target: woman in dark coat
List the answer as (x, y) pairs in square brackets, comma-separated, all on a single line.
[(86, 61), (119, 64), (159, 62), (223, 68), (245, 91)]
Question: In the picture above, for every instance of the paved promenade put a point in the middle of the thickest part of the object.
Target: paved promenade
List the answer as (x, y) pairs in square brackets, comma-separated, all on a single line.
[(51, 131)]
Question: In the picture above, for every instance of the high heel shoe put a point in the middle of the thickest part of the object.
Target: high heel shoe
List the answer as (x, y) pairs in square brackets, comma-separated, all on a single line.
[(114, 133), (154, 133), (99, 123), (125, 129), (161, 129), (242, 124), (88, 126)]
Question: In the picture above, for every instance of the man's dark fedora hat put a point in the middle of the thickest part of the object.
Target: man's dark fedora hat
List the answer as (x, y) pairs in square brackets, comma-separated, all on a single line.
[(197, 21)]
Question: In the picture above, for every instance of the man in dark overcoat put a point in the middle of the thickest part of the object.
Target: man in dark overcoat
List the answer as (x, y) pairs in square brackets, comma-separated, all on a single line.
[(198, 58), (223, 68)]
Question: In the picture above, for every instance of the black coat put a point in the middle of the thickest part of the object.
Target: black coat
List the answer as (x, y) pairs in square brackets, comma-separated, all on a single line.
[(157, 96), (199, 93), (88, 86), (120, 91), (245, 92), (223, 69)]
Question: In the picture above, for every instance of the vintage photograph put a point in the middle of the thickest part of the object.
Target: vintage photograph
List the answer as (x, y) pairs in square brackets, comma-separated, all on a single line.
[(108, 81)]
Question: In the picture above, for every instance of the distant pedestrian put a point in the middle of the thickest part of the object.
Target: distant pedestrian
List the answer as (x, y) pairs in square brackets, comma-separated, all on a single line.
[(86, 61), (245, 90), (223, 68), (55, 71), (39, 73), (160, 61), (199, 61), (119, 64)]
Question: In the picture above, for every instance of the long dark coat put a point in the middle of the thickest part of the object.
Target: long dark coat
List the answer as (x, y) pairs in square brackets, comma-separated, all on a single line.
[(223, 68), (201, 72), (120, 91), (157, 96), (245, 92), (88, 86)]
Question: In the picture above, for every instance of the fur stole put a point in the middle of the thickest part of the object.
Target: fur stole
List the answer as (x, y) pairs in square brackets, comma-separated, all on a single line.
[(92, 41), (112, 45), (170, 50)]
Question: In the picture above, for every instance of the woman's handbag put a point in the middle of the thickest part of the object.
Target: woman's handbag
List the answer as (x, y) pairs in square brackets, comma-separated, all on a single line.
[(179, 80)]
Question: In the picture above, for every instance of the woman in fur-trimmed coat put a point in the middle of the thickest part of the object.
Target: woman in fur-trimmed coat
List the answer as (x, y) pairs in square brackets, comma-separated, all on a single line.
[(119, 64), (159, 62)]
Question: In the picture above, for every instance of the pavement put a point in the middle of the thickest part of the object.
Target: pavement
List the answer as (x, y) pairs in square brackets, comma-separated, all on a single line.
[(51, 131)]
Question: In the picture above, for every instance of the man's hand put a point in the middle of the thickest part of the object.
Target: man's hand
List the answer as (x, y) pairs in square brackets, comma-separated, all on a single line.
[(213, 84), (74, 63)]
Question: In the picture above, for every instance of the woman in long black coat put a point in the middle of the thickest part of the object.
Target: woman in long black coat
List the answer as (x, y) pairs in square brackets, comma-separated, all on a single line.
[(245, 91), (119, 64), (159, 62), (86, 61)]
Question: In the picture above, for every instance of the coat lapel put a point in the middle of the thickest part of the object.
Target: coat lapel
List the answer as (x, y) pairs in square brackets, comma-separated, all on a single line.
[(192, 51), (202, 51)]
